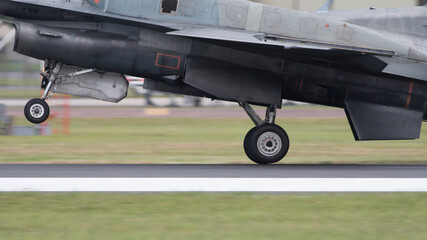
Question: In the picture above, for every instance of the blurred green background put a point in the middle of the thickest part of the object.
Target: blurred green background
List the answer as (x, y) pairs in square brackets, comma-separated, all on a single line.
[(180, 140), (391, 216)]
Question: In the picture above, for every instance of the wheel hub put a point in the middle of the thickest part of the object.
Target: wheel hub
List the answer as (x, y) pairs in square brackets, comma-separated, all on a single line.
[(269, 144), (37, 110)]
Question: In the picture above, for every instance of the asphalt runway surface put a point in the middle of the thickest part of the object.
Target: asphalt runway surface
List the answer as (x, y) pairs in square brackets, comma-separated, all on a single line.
[(213, 178), (210, 171)]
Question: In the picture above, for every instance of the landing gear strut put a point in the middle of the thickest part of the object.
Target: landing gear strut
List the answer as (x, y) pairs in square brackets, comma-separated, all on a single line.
[(267, 142)]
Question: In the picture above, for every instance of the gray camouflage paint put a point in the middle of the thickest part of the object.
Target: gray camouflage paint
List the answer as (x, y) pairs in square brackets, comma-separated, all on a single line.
[(385, 29)]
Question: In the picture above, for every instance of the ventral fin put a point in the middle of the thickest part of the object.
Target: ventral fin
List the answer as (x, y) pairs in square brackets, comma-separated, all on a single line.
[(378, 122)]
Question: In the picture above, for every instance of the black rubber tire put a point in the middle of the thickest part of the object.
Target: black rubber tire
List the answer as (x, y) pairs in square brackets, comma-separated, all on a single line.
[(255, 154), (31, 116), (246, 144)]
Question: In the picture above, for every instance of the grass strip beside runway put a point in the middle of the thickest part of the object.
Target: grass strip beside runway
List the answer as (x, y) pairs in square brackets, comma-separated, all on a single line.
[(28, 216), (201, 141)]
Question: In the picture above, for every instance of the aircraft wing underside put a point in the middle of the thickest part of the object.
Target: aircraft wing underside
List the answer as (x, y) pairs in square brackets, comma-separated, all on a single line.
[(273, 40), (367, 59)]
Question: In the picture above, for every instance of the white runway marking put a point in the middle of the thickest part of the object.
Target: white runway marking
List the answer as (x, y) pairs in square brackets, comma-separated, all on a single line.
[(213, 184)]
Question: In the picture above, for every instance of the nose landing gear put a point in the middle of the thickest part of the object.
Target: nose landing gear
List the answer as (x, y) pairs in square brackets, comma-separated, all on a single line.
[(37, 110), (266, 143)]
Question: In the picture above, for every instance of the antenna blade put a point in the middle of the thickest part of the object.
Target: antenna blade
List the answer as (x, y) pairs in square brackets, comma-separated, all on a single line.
[(326, 6)]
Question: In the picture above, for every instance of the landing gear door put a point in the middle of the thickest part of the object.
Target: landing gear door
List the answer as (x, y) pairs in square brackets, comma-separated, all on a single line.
[(235, 83), (110, 87)]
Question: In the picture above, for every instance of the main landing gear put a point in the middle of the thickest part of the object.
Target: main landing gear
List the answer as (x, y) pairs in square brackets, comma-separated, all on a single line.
[(267, 142)]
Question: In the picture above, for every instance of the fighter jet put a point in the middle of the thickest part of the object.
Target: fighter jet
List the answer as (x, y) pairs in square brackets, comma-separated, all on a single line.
[(372, 63)]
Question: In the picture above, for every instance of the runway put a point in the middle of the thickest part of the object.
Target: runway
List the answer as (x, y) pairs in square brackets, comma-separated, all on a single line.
[(213, 178), (210, 171)]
